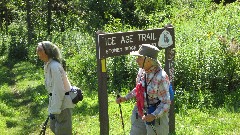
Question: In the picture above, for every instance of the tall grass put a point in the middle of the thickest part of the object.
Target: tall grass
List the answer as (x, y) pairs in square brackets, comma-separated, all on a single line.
[(207, 75)]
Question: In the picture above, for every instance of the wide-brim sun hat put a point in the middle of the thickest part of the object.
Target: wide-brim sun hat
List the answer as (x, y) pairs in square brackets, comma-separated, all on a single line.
[(147, 50)]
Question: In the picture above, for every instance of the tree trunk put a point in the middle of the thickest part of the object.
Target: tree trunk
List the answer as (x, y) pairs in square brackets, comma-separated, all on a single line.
[(29, 21), (1, 20), (49, 17), (7, 21)]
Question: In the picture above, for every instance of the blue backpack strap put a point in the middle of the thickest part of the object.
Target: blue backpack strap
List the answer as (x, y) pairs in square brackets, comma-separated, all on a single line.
[(171, 91)]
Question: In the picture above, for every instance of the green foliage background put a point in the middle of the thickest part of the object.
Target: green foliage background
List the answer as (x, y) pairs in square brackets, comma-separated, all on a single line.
[(207, 68)]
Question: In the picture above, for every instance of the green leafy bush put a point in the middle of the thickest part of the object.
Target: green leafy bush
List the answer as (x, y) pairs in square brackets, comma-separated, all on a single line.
[(18, 46)]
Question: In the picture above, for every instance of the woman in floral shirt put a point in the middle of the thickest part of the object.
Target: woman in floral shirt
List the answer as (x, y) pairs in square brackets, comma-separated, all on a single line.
[(150, 114)]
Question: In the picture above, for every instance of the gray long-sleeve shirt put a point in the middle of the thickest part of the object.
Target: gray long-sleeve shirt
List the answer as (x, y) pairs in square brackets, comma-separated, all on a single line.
[(57, 83)]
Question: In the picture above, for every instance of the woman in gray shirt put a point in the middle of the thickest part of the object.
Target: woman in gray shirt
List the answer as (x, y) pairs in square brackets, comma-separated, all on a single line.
[(57, 84)]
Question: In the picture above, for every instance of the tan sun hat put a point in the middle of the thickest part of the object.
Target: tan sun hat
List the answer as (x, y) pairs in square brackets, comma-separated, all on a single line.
[(147, 50)]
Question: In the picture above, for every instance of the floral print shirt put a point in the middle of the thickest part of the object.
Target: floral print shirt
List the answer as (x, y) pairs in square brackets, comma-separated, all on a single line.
[(157, 89)]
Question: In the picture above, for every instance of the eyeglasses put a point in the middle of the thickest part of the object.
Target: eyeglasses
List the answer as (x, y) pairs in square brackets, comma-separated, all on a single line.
[(43, 47)]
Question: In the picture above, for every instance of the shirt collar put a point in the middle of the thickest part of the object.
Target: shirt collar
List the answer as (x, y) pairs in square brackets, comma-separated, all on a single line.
[(153, 69), (49, 61)]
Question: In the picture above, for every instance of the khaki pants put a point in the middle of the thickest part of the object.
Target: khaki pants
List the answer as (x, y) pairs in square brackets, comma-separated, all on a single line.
[(139, 127), (62, 124)]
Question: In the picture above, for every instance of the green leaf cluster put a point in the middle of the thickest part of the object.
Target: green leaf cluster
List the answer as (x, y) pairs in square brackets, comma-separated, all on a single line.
[(207, 60)]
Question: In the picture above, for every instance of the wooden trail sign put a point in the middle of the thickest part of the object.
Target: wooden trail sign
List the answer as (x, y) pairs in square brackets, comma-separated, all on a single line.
[(122, 43)]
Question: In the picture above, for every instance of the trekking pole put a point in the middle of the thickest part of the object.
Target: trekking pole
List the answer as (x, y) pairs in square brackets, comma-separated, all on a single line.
[(44, 127), (154, 129), (120, 108), (115, 82)]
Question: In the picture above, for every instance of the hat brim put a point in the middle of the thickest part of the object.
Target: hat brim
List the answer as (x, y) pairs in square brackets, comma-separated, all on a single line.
[(136, 53)]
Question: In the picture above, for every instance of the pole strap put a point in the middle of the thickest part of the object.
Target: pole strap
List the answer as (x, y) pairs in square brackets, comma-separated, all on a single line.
[(44, 127)]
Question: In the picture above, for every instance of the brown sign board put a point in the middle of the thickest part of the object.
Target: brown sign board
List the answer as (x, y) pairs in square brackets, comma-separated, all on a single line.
[(116, 44)]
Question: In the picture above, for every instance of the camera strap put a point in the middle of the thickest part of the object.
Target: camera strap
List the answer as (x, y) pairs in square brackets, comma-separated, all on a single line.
[(145, 81), (147, 98)]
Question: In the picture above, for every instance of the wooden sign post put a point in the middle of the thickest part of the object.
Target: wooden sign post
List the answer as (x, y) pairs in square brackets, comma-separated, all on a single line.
[(116, 44)]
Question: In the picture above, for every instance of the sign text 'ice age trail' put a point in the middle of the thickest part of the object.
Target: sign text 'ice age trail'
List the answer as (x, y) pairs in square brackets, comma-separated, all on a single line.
[(115, 44)]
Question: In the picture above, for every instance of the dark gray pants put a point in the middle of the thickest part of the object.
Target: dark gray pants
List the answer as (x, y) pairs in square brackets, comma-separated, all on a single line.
[(62, 124)]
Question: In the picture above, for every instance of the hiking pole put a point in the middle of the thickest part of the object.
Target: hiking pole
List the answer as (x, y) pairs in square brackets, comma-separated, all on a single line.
[(120, 108), (154, 129), (44, 126)]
